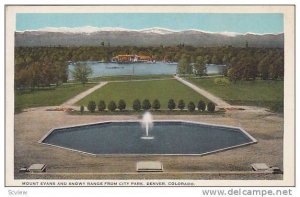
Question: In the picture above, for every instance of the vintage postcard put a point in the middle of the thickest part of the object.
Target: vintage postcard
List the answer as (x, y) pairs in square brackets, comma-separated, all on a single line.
[(150, 95)]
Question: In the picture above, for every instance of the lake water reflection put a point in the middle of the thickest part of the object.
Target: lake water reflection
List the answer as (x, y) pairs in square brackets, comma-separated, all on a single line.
[(158, 68)]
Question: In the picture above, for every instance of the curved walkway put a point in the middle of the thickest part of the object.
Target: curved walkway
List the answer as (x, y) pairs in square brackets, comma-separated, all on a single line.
[(80, 96), (218, 101)]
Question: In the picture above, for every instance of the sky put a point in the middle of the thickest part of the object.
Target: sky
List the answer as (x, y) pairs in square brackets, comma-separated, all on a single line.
[(213, 22)]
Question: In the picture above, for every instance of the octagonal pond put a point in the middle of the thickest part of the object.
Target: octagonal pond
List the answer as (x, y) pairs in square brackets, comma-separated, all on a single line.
[(166, 138)]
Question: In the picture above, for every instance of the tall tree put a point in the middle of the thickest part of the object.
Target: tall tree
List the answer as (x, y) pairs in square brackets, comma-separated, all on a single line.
[(184, 66), (248, 67), (263, 68), (276, 69), (214, 59), (200, 66), (81, 72), (34, 73), (234, 73)]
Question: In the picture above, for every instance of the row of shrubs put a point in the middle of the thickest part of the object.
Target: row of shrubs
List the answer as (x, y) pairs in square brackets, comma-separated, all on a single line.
[(146, 105)]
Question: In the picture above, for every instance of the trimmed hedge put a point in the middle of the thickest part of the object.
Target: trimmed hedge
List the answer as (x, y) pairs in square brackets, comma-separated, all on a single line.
[(211, 107), (101, 105), (156, 104), (191, 106), (121, 105), (112, 106), (136, 106), (91, 106), (171, 104), (181, 104), (146, 104), (201, 105)]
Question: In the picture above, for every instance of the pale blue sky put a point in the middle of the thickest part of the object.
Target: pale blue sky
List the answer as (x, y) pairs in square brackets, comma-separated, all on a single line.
[(214, 22)]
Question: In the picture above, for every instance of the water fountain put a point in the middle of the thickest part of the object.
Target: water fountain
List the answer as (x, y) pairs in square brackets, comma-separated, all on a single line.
[(147, 123)]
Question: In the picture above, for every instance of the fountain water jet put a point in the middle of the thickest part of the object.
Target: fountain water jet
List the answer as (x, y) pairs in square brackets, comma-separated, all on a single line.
[(147, 123)]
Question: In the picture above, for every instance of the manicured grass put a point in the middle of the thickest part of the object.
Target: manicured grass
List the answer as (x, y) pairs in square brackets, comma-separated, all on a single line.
[(128, 77), (162, 90), (153, 112), (47, 97), (259, 92)]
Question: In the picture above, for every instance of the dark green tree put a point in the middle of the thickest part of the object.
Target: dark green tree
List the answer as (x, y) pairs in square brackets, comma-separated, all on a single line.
[(146, 105), (121, 105), (156, 104), (200, 66), (249, 68), (211, 107), (181, 104), (112, 106), (235, 73), (184, 66), (136, 105), (91, 106), (191, 106), (171, 104), (101, 105), (201, 105)]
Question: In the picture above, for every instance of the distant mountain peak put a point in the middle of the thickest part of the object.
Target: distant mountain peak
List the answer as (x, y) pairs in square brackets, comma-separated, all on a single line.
[(84, 29), (157, 30)]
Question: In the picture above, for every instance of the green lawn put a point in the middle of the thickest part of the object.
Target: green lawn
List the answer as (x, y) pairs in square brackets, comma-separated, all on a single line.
[(48, 97), (129, 91), (258, 92), (128, 77)]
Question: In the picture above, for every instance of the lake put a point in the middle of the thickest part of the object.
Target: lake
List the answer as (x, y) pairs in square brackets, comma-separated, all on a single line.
[(158, 68)]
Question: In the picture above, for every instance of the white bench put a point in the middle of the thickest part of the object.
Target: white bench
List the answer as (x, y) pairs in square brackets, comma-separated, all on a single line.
[(149, 166), (262, 167), (37, 168), (259, 166)]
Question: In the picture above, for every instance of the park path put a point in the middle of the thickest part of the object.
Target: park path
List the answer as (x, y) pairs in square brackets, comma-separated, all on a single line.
[(218, 101), (80, 96)]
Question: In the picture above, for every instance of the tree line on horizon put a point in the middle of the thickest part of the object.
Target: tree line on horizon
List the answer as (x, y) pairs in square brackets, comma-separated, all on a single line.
[(41, 66)]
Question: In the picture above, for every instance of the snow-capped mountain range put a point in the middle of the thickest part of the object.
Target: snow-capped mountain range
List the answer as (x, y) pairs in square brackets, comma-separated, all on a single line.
[(89, 35), (154, 30)]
